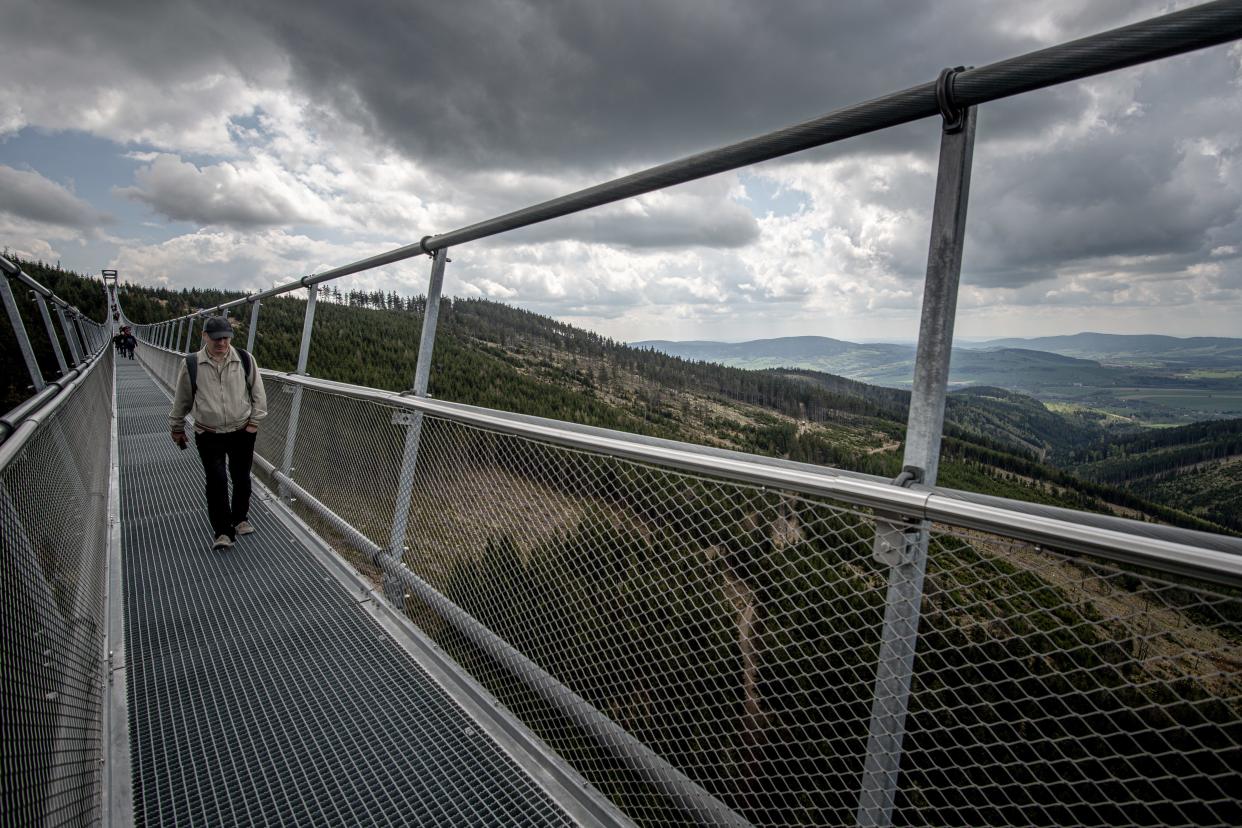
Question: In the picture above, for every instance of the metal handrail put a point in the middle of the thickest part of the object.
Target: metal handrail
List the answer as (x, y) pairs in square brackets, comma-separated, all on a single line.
[(1164, 548), (1194, 28), (1182, 551)]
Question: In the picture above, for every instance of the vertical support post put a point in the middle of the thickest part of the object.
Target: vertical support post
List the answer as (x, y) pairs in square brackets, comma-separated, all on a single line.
[(422, 374), (908, 556), (73, 343), (19, 331), (254, 325), (51, 332), (76, 318), (295, 411), (189, 333)]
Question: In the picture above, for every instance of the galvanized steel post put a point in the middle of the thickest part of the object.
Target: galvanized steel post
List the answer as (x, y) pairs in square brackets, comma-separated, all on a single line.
[(73, 344), (905, 548), (189, 334), (414, 428), (19, 331), (76, 318), (51, 331), (295, 410), (254, 325)]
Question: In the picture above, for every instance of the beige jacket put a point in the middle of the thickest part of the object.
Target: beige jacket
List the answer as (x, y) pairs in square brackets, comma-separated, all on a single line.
[(221, 403)]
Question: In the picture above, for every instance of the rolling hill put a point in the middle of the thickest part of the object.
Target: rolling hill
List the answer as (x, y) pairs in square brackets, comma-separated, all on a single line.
[(1167, 381), (1135, 350)]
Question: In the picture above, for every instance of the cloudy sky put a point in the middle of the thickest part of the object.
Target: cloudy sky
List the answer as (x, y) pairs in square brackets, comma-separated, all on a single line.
[(242, 145)]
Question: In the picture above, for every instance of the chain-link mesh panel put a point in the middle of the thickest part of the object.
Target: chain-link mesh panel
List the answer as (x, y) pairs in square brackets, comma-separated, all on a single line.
[(734, 631), (730, 629), (1051, 690), (347, 454), (53, 519)]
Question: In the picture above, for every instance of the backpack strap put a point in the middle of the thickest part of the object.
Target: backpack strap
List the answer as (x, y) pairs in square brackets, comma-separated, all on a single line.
[(247, 367), (191, 369)]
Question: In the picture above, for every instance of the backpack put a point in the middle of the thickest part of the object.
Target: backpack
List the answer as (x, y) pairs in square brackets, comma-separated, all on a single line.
[(191, 368)]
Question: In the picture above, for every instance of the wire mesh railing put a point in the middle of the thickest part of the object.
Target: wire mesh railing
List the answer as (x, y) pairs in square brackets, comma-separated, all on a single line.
[(54, 477), (732, 629)]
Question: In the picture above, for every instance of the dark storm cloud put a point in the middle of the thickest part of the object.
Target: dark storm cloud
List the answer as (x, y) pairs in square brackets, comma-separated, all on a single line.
[(573, 90), (30, 196), (165, 39), (554, 85), (1162, 181)]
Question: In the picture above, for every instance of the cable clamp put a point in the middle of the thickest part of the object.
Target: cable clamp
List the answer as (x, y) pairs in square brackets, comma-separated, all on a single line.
[(909, 476), (954, 116), (896, 536)]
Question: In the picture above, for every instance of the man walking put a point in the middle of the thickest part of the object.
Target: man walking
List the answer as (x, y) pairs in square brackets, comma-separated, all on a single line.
[(128, 343), (222, 388)]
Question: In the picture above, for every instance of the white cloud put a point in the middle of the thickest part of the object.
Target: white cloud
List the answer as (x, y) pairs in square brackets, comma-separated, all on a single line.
[(259, 192), (31, 197)]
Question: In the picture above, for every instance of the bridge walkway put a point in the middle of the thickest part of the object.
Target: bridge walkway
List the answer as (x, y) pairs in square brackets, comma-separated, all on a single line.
[(260, 688)]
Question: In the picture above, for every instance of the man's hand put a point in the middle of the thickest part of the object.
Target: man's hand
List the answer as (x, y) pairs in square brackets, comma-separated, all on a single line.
[(252, 428), (180, 439)]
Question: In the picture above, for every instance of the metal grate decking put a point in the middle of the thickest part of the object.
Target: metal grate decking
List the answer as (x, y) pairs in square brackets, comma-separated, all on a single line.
[(259, 690)]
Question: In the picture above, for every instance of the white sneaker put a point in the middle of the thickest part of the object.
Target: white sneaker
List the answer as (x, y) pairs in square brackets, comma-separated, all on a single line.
[(222, 542), (244, 528)]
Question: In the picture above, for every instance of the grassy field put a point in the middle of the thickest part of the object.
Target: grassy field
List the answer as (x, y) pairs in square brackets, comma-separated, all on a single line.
[(1145, 406), (1213, 373), (1215, 402)]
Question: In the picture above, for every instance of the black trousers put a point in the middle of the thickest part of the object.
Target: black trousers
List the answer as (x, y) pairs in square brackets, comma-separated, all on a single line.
[(237, 448)]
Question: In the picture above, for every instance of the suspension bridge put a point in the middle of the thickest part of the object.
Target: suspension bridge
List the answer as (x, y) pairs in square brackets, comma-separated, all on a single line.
[(451, 615)]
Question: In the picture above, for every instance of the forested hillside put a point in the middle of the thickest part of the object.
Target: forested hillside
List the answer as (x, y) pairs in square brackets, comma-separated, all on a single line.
[(1197, 466), (493, 355)]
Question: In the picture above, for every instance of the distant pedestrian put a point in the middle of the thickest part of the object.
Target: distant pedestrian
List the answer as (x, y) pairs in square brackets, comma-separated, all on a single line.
[(128, 343), (222, 388)]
